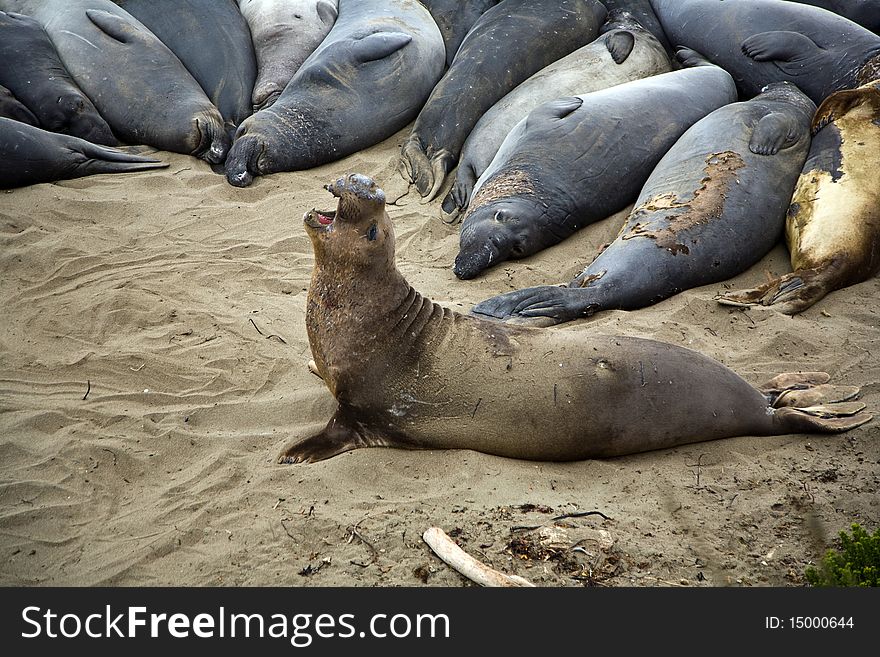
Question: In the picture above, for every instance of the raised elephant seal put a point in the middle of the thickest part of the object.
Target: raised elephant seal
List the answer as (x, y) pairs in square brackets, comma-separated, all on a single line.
[(833, 224), (31, 155), (366, 81), (714, 205), (574, 161), (455, 18), (11, 108), (864, 12), (623, 53), (213, 41), (775, 41), (410, 373), (137, 84), (33, 72), (285, 33), (508, 43)]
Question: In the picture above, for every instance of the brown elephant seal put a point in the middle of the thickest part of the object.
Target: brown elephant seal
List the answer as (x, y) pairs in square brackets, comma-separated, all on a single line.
[(833, 224), (410, 373)]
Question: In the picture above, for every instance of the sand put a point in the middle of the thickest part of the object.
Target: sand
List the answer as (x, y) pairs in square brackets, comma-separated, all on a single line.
[(153, 364)]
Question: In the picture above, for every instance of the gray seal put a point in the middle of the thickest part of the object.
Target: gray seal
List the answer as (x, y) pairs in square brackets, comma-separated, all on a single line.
[(366, 81), (577, 160), (31, 155), (407, 372), (714, 205), (137, 84), (504, 47), (33, 72)]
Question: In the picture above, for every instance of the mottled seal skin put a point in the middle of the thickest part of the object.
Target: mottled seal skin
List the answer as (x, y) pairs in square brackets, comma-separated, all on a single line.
[(410, 373), (284, 33), (11, 108), (576, 160), (623, 53), (30, 155), (714, 205), (643, 12), (864, 12), (774, 41), (504, 47), (455, 18), (33, 72), (833, 225), (137, 84), (366, 81), (213, 41)]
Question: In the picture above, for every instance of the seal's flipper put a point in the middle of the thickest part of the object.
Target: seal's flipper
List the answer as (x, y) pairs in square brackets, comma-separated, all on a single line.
[(460, 195), (790, 294), (816, 396), (426, 171), (620, 44), (773, 133), (559, 304), (832, 418), (340, 435), (327, 12), (793, 381), (379, 45), (691, 58), (555, 109), (114, 26), (780, 46), (100, 159)]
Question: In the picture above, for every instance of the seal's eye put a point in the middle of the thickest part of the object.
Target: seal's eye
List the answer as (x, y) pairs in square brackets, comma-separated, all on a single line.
[(373, 232)]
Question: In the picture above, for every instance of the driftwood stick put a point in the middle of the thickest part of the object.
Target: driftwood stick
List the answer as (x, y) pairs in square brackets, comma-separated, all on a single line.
[(478, 572)]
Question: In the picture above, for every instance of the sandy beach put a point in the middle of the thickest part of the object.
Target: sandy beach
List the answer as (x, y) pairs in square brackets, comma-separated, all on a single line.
[(153, 361)]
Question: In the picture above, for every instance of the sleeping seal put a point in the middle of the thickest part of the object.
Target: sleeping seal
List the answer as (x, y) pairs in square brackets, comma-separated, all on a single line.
[(714, 205), (833, 224), (11, 108), (30, 155), (410, 373)]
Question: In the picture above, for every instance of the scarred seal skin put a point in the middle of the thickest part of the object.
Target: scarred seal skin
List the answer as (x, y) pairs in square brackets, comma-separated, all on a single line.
[(30, 155), (137, 84), (624, 52), (504, 47), (714, 205), (833, 224), (576, 160), (366, 81), (455, 18), (213, 41), (285, 33), (33, 72), (410, 373), (774, 41)]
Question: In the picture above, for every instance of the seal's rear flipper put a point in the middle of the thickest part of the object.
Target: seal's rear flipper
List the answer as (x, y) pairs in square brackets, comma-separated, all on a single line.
[(101, 159), (829, 418), (427, 170), (790, 294), (340, 435), (819, 395), (793, 381)]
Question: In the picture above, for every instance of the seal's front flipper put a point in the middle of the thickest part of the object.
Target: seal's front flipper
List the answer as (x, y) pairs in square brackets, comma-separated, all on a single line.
[(378, 45), (790, 294), (555, 109), (772, 133), (340, 435), (780, 46), (559, 304), (620, 44), (327, 12), (114, 26), (691, 58)]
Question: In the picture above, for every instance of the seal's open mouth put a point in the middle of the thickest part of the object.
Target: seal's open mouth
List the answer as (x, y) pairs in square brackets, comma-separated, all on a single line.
[(320, 219)]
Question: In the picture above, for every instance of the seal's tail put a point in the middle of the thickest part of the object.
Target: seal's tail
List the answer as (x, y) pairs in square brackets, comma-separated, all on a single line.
[(805, 402), (789, 294)]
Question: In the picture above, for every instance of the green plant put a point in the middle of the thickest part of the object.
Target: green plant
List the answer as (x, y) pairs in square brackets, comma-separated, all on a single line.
[(857, 563)]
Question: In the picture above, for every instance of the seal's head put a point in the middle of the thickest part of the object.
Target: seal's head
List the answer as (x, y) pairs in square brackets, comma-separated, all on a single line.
[(358, 233)]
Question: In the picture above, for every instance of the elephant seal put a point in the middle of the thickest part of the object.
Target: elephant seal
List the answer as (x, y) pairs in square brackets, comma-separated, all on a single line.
[(833, 224), (714, 205), (284, 33), (33, 72), (624, 52), (213, 41), (775, 41), (576, 160), (455, 18), (366, 81), (31, 155), (864, 12), (137, 84), (643, 12), (504, 47), (410, 373), (11, 108)]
